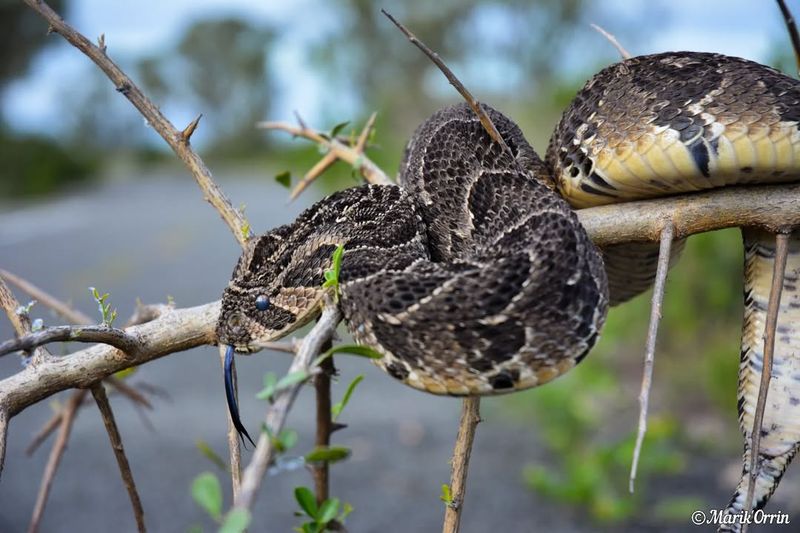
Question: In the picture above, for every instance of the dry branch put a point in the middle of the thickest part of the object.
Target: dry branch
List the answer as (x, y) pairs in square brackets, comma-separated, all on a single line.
[(488, 125), (67, 312), (104, 334), (174, 331), (234, 447), (470, 418), (667, 236), (771, 207), (322, 390), (177, 140), (791, 26), (613, 40), (101, 399), (371, 172), (276, 415)]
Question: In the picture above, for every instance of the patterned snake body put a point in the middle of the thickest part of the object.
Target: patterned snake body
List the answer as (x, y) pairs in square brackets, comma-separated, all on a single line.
[(473, 277), (681, 122)]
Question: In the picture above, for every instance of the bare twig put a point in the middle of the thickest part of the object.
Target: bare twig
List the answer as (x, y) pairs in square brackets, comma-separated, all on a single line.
[(20, 321), (129, 392), (613, 40), (276, 415), (667, 235), (234, 449), (56, 453), (48, 427), (773, 306), (3, 437), (105, 334), (488, 125), (322, 388), (67, 312), (470, 418), (176, 140), (792, 28), (100, 397), (371, 172)]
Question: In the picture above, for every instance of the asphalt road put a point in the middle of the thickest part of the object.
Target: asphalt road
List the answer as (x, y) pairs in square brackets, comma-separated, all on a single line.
[(155, 237)]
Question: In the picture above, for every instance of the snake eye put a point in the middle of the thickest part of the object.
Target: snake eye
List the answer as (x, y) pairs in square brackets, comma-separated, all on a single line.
[(262, 302)]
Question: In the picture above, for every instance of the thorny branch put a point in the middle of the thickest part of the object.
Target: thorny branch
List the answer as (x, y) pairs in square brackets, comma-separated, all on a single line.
[(354, 157), (322, 390), (177, 140), (455, 82), (330, 158), (667, 235), (107, 335), (791, 26)]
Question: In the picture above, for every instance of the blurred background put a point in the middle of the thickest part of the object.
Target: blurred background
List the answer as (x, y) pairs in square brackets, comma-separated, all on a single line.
[(91, 196)]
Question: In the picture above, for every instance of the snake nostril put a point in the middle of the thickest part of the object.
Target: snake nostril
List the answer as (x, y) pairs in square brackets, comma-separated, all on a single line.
[(236, 324)]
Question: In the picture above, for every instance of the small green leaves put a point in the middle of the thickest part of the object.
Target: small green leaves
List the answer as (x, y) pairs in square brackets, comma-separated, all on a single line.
[(353, 349), (209, 453), (321, 516), (284, 178), (272, 385), (25, 309), (307, 501), (446, 496), (338, 128), (332, 275), (108, 314), (126, 372), (338, 407), (207, 493), (236, 521), (331, 454)]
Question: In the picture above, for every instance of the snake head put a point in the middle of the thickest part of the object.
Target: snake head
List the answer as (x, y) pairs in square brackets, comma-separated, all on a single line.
[(275, 289)]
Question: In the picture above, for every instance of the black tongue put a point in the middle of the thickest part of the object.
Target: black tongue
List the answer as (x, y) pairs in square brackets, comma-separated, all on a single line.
[(233, 408)]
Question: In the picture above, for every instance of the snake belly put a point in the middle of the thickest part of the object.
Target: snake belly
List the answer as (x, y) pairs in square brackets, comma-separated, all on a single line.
[(680, 122)]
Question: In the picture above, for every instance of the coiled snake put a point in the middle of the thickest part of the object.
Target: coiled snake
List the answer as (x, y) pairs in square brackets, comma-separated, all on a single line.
[(474, 277)]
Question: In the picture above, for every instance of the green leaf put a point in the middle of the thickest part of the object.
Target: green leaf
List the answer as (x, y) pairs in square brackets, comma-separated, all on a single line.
[(286, 439), (123, 374), (346, 510), (332, 274), (207, 493), (354, 349), (210, 454), (330, 454), (307, 501), (236, 521), (337, 408), (290, 379), (338, 128), (284, 178), (328, 511), (270, 380), (446, 496)]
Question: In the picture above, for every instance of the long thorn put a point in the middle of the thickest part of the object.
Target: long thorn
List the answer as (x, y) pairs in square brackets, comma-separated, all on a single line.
[(664, 249), (792, 27), (613, 40), (455, 82), (773, 306), (100, 397)]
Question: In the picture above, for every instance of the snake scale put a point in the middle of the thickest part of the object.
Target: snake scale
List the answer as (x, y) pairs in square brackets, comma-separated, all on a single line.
[(473, 275)]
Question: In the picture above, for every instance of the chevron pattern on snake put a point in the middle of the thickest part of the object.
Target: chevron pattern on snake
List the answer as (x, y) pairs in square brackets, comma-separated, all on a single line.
[(679, 122), (472, 277)]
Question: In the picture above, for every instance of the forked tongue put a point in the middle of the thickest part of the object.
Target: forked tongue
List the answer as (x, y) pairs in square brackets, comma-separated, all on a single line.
[(230, 395)]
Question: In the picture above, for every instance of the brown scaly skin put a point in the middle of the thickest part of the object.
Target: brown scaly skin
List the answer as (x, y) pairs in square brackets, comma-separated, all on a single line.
[(679, 122), (471, 278)]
